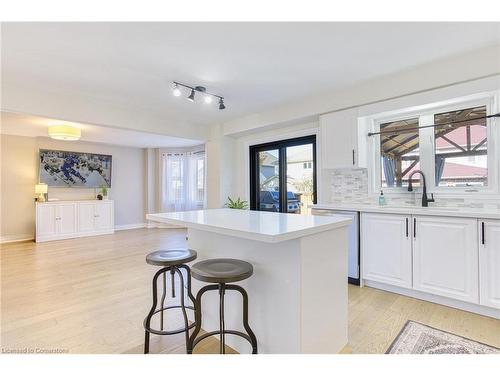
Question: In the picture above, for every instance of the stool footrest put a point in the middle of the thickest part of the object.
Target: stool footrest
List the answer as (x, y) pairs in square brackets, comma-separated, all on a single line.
[(172, 332), (228, 332)]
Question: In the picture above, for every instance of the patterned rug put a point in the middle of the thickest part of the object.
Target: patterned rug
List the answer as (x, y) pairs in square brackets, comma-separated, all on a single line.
[(417, 338)]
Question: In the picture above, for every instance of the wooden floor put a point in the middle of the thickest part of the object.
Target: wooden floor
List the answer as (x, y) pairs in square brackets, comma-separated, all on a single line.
[(90, 295)]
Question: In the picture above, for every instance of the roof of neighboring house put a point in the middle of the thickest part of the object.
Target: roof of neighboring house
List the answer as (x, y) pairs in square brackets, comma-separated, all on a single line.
[(269, 159), (460, 170), (459, 136), (455, 170)]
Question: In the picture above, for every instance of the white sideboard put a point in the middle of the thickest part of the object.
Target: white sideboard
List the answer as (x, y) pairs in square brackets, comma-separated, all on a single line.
[(69, 219)]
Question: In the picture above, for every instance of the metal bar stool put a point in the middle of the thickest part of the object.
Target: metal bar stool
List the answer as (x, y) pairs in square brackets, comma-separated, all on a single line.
[(220, 272), (171, 261)]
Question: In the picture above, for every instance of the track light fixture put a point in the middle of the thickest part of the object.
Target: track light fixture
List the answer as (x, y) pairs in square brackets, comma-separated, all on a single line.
[(176, 91), (191, 96), (207, 96)]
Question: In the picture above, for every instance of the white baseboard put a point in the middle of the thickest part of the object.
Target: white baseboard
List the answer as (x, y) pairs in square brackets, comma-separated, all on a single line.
[(130, 226), (467, 306), (163, 226), (16, 238)]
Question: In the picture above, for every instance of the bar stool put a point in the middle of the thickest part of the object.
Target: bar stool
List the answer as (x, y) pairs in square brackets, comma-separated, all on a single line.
[(172, 261), (220, 272)]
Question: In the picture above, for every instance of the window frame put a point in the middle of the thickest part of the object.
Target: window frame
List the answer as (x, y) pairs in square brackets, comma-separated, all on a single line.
[(201, 156), (425, 115)]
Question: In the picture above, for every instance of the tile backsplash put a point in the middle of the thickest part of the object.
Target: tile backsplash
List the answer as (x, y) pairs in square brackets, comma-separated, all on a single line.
[(350, 185)]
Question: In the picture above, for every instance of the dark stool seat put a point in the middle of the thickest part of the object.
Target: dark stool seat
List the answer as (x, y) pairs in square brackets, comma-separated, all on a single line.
[(171, 261), (171, 257), (220, 273), (222, 270)]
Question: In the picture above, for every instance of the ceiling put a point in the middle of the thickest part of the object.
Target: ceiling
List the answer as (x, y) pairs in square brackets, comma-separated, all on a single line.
[(255, 66), (33, 126)]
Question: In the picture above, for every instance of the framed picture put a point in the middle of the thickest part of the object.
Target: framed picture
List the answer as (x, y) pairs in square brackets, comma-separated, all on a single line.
[(74, 169)]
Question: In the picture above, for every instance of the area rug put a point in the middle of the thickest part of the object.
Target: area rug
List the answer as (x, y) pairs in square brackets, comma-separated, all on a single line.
[(417, 338)]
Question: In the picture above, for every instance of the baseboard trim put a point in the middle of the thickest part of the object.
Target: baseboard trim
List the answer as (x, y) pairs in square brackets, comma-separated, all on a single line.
[(16, 238), (163, 226), (130, 226), (461, 305)]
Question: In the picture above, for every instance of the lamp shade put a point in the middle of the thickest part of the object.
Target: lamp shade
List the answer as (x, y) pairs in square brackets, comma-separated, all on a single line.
[(41, 188), (64, 132)]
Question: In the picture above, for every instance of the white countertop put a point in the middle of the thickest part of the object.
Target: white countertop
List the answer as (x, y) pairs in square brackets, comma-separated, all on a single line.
[(253, 225), (481, 213)]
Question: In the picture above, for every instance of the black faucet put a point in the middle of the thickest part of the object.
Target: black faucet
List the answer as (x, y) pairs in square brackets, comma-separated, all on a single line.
[(425, 200)]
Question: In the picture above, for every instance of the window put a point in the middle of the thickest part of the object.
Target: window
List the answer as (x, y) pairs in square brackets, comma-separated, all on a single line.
[(184, 182), (200, 179), (461, 148), (283, 175), (399, 151), (450, 142)]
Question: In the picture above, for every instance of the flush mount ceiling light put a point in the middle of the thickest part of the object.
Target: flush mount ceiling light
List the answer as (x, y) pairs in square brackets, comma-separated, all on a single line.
[(64, 132), (207, 96)]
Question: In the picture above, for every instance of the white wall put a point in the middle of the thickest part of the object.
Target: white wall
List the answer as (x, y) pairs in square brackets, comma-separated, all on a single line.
[(240, 157), (452, 70), (220, 151), (240, 171), (86, 109), (19, 171)]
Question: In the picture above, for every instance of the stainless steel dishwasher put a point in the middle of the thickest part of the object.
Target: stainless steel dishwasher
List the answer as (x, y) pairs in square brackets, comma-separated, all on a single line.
[(353, 240)]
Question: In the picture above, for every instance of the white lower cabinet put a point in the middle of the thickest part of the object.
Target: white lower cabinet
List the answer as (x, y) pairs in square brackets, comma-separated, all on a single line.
[(104, 216), (449, 260), (489, 263), (66, 218), (445, 257), (386, 249), (45, 220), (95, 216), (60, 220)]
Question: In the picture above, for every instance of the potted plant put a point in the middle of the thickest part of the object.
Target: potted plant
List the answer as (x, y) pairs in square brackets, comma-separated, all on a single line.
[(104, 191), (237, 203)]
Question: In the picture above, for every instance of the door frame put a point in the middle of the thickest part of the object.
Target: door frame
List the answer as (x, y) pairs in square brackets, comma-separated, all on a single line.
[(281, 145)]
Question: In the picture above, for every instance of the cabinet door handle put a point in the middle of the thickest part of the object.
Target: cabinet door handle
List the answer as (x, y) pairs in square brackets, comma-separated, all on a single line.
[(406, 227), (482, 233), (353, 159), (414, 227)]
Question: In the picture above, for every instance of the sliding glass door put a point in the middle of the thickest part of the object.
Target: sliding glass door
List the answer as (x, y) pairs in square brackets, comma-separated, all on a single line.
[(283, 175)]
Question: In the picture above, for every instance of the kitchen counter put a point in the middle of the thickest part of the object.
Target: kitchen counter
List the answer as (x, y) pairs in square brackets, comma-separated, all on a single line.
[(482, 213), (298, 292), (253, 225)]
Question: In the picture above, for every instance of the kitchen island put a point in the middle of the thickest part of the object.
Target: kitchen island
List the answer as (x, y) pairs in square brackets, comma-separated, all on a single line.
[(298, 292)]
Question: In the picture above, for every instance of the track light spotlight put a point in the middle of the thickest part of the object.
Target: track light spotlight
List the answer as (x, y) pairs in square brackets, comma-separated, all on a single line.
[(176, 91), (208, 97)]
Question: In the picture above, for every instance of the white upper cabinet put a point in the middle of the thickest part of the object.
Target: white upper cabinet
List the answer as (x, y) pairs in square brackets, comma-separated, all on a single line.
[(386, 249), (445, 257), (489, 263), (338, 134)]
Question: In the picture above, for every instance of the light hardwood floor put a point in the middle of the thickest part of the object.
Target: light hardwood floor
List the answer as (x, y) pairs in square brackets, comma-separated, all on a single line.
[(90, 295)]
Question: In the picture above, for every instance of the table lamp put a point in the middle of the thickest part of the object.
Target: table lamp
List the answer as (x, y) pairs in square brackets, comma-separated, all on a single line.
[(41, 189)]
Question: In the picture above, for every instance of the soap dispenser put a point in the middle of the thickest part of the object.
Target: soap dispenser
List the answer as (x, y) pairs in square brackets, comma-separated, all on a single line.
[(381, 198)]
